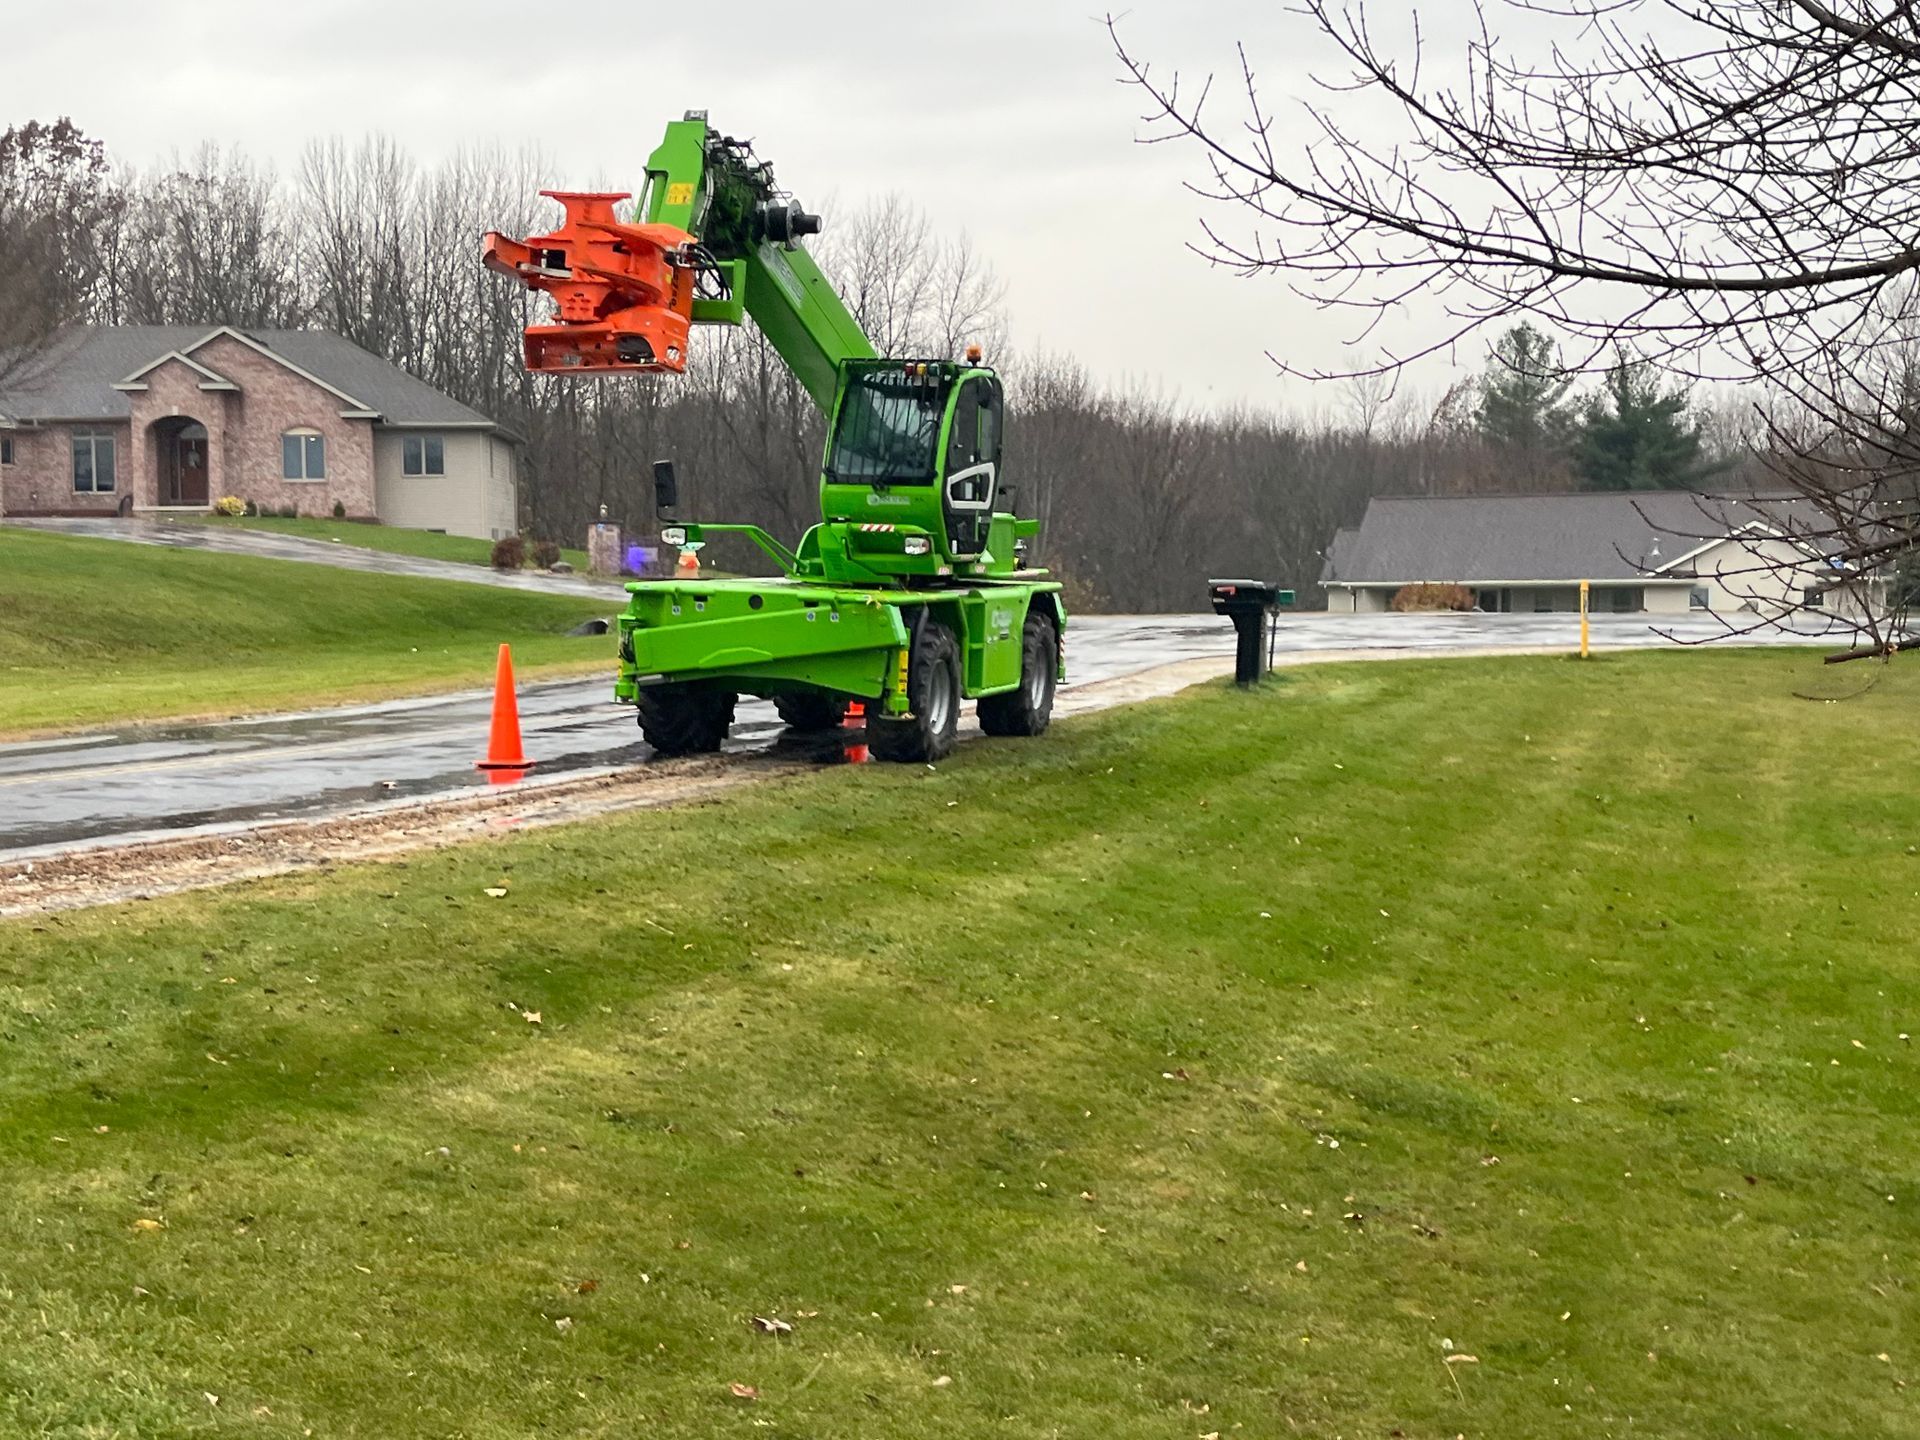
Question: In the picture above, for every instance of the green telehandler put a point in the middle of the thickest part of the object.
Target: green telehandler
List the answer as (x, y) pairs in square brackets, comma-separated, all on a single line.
[(911, 594)]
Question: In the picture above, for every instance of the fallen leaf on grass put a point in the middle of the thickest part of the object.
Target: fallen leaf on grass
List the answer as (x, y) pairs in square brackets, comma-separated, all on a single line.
[(767, 1325), (943, 1382), (497, 892), (532, 1017), (143, 1224), (563, 1324), (586, 1287), (1460, 1360), (743, 1392)]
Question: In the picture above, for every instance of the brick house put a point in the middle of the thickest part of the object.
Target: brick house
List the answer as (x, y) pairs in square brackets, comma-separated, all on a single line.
[(133, 419)]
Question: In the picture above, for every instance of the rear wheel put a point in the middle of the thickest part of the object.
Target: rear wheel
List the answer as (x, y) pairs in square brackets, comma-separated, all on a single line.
[(933, 690), (1027, 709), (683, 720), (810, 712)]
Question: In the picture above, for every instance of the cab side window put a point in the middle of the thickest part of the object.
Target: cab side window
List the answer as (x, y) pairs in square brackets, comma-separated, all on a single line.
[(964, 438), (987, 426), (975, 437)]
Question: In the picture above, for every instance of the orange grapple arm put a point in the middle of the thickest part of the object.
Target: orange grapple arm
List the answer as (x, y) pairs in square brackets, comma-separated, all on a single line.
[(624, 292)]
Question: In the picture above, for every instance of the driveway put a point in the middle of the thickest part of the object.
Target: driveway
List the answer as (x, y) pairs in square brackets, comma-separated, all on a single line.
[(266, 545)]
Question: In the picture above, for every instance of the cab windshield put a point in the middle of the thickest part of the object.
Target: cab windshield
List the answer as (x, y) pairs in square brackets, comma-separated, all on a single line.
[(889, 431)]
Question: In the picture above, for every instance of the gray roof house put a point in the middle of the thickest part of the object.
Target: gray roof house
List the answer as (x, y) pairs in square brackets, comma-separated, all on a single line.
[(1657, 551), (129, 419)]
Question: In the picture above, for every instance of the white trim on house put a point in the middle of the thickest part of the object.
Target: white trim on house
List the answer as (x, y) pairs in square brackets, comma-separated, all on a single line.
[(1772, 532), (440, 425), (212, 379)]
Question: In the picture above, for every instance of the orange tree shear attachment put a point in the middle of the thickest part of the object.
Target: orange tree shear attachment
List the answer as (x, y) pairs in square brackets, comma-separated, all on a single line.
[(624, 293)]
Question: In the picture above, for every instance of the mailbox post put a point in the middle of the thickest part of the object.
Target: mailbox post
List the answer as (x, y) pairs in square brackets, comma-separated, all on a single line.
[(1250, 605)]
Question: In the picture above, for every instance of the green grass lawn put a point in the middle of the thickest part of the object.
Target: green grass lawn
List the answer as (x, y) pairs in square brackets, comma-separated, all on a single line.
[(96, 632), (463, 549), (1489, 1048)]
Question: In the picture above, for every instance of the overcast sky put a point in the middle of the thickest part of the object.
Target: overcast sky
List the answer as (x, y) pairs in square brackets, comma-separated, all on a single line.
[(999, 118)]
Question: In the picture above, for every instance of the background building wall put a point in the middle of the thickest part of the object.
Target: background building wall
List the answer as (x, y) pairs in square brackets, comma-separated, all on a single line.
[(467, 500)]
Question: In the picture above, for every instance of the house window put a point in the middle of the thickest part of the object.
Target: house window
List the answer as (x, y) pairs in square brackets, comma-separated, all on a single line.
[(1699, 598), (423, 455), (92, 462), (6, 449), (1543, 602), (1814, 598), (303, 455), (1625, 599), (1496, 602)]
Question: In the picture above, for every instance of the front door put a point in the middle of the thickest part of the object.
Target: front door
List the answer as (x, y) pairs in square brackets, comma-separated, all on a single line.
[(191, 470)]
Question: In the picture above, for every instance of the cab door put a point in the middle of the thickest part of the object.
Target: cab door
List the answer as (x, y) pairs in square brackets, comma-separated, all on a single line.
[(972, 464)]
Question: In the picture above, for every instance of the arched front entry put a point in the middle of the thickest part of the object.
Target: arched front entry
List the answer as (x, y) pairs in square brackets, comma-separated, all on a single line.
[(181, 461)]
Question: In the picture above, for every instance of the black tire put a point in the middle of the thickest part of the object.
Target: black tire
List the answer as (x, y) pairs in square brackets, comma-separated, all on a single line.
[(683, 720), (811, 712), (933, 690), (1027, 709)]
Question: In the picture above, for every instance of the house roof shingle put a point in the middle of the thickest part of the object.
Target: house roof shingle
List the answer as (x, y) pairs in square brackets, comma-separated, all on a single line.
[(1338, 553), (75, 380), (1482, 538)]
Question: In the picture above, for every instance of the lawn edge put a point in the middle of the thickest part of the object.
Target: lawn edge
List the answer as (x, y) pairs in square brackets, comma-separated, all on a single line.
[(340, 699)]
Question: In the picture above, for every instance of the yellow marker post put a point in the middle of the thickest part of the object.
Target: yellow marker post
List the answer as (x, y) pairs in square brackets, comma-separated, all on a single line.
[(1583, 620)]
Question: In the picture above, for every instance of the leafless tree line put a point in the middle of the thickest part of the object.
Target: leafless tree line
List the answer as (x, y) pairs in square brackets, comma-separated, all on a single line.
[(1726, 188)]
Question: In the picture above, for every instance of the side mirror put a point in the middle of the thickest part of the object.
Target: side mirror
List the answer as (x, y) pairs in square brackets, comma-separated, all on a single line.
[(666, 489)]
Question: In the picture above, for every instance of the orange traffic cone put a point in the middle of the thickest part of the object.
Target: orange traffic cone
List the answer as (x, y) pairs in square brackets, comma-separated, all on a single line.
[(504, 751), (856, 721)]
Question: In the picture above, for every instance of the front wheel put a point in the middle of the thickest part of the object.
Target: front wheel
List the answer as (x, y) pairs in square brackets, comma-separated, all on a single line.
[(933, 692), (683, 720), (1027, 709)]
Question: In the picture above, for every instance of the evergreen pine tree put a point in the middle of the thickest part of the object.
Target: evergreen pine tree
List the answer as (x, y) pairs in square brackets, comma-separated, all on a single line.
[(1634, 436), (1522, 391)]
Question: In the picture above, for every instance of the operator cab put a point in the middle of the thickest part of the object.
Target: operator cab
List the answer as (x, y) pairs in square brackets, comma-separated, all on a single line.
[(922, 438)]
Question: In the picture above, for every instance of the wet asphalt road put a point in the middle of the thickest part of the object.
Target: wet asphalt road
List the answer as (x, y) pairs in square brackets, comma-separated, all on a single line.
[(167, 780)]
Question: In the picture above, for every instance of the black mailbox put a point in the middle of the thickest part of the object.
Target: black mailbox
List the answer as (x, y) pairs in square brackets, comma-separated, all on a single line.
[(1249, 604)]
